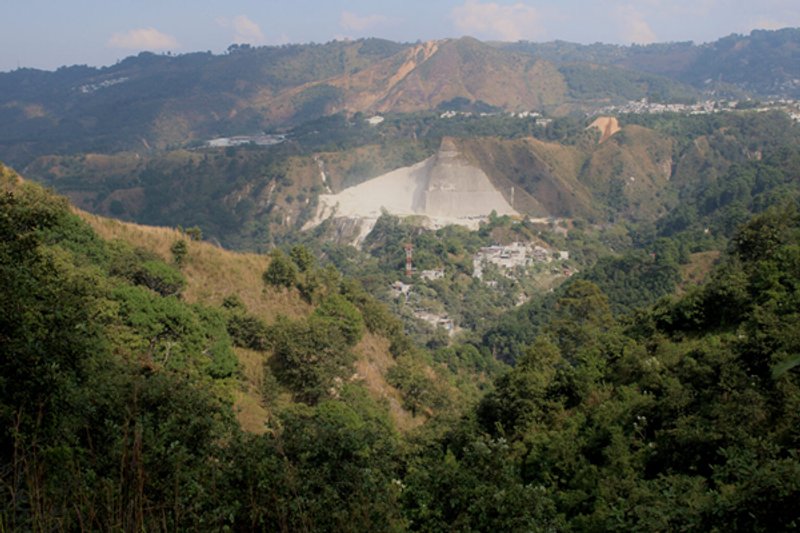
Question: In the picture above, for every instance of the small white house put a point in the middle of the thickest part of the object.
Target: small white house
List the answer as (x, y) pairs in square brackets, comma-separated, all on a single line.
[(432, 275)]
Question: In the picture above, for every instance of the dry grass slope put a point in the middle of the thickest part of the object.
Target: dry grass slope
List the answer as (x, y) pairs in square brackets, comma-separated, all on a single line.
[(213, 273), (374, 361), (632, 168), (544, 176)]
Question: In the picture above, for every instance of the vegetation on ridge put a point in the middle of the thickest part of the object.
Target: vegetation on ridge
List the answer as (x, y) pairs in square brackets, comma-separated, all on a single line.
[(115, 414), (636, 367)]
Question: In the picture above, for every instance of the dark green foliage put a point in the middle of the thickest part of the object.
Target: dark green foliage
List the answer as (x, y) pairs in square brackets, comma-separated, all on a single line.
[(50, 321), (330, 468), (160, 277), (309, 355), (588, 82), (423, 392), (466, 356), (316, 101), (195, 233), (768, 56), (475, 486), (281, 271), (674, 421), (347, 318), (636, 279), (93, 437), (302, 257), (167, 332), (144, 268), (377, 318), (179, 250), (125, 261), (247, 331)]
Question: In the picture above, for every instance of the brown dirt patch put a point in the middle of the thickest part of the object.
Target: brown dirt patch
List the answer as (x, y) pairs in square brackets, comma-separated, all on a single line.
[(608, 126)]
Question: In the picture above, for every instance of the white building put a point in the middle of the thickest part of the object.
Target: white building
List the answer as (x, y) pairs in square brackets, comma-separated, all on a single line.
[(509, 257), (398, 289), (432, 275)]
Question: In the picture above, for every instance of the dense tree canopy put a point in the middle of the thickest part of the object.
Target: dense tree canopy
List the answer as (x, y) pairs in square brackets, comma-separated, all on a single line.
[(619, 414)]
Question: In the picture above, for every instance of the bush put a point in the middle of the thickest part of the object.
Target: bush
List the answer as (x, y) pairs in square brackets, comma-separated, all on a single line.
[(160, 277), (179, 250), (309, 354), (247, 331), (281, 271), (344, 315)]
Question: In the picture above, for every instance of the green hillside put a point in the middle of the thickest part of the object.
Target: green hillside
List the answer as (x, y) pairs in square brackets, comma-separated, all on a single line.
[(762, 64), (137, 353), (187, 345), (151, 102), (126, 363)]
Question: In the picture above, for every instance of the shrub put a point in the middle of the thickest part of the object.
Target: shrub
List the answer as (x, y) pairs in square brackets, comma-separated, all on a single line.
[(345, 315), (160, 277), (281, 271), (179, 250)]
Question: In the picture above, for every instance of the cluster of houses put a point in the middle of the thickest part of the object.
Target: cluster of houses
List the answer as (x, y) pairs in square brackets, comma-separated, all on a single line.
[(537, 117), (243, 140), (92, 87), (644, 106), (437, 321), (513, 256), (403, 290), (508, 258)]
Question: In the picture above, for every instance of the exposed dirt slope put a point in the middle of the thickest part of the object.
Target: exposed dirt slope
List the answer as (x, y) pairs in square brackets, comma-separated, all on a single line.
[(428, 74), (607, 126), (630, 172), (542, 176)]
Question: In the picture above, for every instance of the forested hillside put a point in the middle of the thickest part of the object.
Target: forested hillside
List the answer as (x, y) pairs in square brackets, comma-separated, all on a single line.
[(607, 339), (761, 64), (116, 404), (682, 417), (155, 102), (137, 371), (256, 197)]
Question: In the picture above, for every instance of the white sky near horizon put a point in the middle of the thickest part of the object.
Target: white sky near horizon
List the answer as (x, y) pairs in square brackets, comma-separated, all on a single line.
[(46, 34)]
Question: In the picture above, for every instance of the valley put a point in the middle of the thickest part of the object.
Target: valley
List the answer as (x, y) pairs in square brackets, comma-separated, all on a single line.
[(378, 286)]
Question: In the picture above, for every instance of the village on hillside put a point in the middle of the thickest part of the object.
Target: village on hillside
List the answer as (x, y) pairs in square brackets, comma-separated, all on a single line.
[(512, 261)]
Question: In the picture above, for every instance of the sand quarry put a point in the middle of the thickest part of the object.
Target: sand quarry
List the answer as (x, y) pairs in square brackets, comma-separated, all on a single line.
[(443, 189), (608, 126)]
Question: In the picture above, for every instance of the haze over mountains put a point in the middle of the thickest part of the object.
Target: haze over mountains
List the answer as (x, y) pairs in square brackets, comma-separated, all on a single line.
[(158, 101), (573, 303)]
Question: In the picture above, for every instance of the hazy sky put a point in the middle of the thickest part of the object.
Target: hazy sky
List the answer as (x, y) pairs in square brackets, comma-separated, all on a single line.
[(49, 33)]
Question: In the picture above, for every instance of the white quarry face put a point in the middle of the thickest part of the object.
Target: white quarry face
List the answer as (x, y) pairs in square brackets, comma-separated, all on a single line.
[(445, 189)]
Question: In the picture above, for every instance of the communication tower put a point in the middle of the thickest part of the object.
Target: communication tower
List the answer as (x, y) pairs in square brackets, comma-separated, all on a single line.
[(409, 258)]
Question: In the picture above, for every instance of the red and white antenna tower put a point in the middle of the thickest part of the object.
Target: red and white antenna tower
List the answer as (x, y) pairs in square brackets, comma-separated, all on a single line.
[(409, 257)]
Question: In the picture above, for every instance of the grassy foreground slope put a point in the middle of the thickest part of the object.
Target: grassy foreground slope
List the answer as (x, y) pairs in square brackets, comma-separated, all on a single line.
[(115, 408), (136, 369)]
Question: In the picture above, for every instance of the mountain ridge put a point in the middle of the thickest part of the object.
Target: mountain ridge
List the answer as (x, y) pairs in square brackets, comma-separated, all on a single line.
[(150, 102)]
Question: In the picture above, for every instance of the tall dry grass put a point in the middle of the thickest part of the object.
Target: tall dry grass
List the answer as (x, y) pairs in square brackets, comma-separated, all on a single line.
[(212, 273)]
